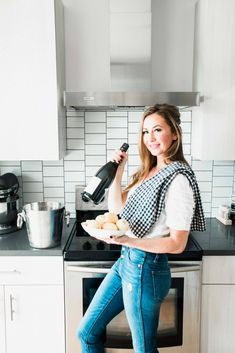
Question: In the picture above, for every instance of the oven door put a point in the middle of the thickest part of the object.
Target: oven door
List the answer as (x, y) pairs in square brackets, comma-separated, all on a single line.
[(178, 329)]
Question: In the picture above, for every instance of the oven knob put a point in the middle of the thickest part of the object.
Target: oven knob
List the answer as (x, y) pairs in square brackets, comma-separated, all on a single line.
[(87, 245), (100, 245)]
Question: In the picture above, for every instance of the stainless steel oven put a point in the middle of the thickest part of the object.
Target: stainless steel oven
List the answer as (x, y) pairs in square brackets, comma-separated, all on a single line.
[(178, 330)]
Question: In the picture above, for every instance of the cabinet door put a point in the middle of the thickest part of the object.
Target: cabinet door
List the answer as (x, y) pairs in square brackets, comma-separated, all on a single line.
[(213, 122), (31, 109), (218, 319), (2, 321), (35, 319)]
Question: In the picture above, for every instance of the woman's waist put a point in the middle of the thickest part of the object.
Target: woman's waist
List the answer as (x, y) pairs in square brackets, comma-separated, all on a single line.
[(143, 255)]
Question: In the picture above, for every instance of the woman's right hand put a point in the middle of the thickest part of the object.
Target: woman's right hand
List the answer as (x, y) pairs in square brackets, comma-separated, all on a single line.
[(120, 157)]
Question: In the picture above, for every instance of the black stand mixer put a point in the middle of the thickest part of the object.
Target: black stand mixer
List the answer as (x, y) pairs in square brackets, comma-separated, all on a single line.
[(9, 203)]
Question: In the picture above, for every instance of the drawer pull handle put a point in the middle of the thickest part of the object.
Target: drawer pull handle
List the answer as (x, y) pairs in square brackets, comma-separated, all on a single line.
[(11, 307)]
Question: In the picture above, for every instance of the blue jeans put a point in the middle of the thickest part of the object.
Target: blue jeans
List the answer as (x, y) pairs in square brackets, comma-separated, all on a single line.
[(138, 282)]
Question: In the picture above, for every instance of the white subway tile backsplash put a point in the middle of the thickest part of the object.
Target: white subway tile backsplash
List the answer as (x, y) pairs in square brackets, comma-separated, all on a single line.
[(54, 192), (74, 166), (31, 176), (55, 199), (75, 155), (206, 196), (134, 160), (70, 186), (75, 113), (113, 144), (53, 163), (30, 197), (117, 133), (116, 122), (133, 128), (70, 197), (92, 150), (186, 116), (95, 160), (74, 133), (10, 163), (95, 139), (78, 177), (97, 128), (223, 170), (186, 138), (133, 138), (75, 144), (223, 181), (203, 175), (33, 187), (91, 170), (95, 117), (117, 113), (75, 122), (187, 149), (53, 181), (221, 192), (224, 163), (201, 165), (205, 186), (91, 139), (186, 127), (53, 171), (135, 116)]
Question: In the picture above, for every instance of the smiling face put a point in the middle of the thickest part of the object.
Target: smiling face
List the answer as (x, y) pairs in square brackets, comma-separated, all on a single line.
[(157, 135)]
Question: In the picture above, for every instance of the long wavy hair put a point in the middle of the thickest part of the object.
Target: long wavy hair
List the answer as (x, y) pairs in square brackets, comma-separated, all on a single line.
[(171, 115)]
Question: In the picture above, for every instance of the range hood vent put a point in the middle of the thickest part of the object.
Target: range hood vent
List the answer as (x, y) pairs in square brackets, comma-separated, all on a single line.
[(128, 100), (130, 54)]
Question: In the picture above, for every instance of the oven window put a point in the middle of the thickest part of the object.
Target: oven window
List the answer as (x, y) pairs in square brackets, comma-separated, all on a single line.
[(170, 328)]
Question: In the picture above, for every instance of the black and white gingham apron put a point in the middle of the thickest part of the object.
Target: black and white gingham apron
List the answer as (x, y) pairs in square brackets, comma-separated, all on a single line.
[(145, 205)]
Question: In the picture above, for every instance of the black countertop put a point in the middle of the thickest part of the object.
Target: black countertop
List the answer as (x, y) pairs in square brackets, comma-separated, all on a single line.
[(17, 243), (218, 239)]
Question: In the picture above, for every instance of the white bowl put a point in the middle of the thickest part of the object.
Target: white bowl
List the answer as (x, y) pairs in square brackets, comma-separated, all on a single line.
[(102, 233)]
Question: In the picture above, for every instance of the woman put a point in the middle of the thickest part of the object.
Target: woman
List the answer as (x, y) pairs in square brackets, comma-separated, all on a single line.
[(162, 203)]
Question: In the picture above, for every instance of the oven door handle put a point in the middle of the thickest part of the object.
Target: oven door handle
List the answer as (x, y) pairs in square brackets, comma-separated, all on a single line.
[(88, 269), (185, 268), (105, 270)]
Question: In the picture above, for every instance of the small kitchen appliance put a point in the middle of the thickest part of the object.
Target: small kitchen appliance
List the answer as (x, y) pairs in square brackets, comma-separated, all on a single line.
[(9, 203)]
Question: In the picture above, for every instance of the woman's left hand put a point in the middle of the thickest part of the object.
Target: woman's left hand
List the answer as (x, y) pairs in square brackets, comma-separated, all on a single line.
[(123, 240)]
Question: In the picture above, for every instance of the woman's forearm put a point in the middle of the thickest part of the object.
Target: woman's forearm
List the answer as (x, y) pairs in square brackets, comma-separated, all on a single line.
[(170, 245), (115, 202)]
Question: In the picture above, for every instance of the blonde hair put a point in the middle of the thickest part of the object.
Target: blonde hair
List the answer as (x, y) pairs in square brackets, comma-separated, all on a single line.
[(171, 115)]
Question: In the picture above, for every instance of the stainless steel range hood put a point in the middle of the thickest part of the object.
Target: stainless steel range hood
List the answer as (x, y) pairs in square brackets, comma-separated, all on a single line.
[(130, 54)]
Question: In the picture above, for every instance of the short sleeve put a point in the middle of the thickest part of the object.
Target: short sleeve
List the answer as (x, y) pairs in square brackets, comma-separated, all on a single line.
[(179, 204)]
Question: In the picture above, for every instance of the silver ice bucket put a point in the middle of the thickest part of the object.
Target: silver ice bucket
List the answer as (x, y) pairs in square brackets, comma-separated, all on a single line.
[(44, 223)]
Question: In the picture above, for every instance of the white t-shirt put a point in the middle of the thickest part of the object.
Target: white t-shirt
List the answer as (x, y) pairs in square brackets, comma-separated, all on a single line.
[(178, 211)]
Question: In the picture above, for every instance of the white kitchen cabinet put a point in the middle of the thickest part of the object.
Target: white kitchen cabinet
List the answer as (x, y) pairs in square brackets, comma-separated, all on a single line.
[(214, 77), (32, 304), (2, 321), (32, 80), (218, 305)]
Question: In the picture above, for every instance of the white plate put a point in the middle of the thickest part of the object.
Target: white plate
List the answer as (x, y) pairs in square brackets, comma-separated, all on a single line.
[(102, 233)]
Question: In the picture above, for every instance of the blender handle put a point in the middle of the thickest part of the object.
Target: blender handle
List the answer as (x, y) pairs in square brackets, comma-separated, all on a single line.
[(67, 216), (20, 219)]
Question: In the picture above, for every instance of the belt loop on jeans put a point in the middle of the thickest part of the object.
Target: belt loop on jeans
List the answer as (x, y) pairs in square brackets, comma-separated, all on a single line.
[(156, 258)]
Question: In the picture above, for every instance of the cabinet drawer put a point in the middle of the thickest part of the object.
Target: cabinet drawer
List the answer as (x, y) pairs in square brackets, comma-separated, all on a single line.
[(31, 270), (218, 269)]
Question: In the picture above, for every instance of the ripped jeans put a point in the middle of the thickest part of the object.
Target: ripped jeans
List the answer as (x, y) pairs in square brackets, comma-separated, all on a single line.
[(138, 282)]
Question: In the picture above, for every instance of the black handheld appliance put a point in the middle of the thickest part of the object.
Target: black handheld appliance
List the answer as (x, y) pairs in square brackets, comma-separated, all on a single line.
[(9, 203)]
